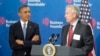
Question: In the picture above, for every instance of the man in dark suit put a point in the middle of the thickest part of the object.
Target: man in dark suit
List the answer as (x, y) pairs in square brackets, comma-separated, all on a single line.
[(76, 34), (23, 34)]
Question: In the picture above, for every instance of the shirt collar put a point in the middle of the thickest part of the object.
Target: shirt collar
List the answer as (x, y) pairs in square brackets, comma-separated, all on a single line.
[(22, 23), (74, 23)]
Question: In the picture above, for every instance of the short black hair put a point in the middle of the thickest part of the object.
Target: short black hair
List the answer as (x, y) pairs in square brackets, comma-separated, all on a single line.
[(21, 7)]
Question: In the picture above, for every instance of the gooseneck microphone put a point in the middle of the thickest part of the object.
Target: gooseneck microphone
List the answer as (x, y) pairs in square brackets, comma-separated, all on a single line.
[(55, 38), (51, 38)]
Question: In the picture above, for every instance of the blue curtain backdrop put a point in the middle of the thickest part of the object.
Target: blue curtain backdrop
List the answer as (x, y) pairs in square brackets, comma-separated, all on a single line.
[(49, 14)]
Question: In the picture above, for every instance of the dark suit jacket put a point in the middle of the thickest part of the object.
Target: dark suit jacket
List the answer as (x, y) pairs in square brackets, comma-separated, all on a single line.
[(86, 38), (16, 32)]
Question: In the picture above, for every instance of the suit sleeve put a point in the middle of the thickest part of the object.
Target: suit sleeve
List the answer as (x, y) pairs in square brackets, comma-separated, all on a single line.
[(30, 43), (12, 39), (87, 39), (62, 34)]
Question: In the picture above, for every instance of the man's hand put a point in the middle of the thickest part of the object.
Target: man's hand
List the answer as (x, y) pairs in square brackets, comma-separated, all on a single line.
[(18, 41), (35, 38)]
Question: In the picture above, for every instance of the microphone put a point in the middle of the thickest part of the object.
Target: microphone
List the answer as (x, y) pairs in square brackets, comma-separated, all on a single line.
[(55, 38), (51, 37)]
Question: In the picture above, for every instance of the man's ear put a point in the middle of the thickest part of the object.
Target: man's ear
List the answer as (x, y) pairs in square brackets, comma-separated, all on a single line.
[(74, 15)]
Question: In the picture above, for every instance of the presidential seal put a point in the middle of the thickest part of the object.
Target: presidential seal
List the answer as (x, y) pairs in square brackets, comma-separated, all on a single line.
[(49, 50)]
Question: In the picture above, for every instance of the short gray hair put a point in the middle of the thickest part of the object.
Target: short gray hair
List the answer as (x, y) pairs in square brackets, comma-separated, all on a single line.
[(74, 8)]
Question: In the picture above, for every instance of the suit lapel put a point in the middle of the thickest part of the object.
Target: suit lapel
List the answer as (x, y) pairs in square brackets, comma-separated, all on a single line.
[(29, 27), (76, 30), (20, 30)]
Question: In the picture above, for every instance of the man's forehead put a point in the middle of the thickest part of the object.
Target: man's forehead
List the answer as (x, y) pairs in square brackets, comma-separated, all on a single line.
[(68, 10), (25, 9)]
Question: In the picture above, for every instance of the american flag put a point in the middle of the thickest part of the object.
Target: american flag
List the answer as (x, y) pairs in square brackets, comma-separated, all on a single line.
[(85, 16), (85, 11)]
